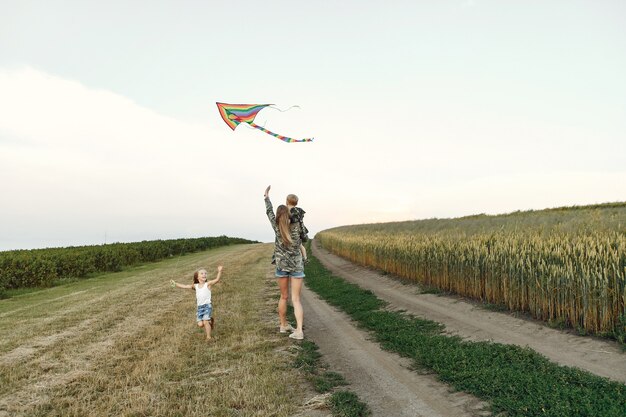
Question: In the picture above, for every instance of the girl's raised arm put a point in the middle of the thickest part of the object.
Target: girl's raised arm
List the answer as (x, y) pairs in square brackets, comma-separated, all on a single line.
[(217, 278), (175, 284)]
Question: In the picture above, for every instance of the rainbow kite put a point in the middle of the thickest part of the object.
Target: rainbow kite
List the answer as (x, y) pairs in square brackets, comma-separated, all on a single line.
[(233, 114)]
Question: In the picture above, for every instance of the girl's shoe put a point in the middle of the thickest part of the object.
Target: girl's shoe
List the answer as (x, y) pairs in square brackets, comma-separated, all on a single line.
[(297, 335), (286, 329)]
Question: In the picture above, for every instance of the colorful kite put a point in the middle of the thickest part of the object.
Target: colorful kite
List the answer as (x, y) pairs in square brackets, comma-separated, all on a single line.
[(233, 114)]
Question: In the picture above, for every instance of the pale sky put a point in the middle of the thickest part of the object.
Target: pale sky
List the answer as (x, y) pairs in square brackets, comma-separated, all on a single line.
[(109, 130)]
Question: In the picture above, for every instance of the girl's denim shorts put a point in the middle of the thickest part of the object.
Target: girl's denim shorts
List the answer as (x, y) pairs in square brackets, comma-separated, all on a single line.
[(204, 312), (284, 274)]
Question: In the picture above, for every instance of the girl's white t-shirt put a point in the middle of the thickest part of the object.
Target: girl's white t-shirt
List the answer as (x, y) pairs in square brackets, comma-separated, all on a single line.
[(203, 294)]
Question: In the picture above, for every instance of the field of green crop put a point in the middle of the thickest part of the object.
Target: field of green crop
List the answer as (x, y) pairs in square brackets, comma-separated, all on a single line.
[(565, 266), (44, 267)]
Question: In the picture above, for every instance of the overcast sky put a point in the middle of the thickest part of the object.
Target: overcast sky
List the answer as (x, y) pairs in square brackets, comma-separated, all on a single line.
[(109, 130)]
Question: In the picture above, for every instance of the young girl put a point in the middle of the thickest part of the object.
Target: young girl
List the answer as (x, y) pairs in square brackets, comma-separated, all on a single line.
[(202, 287)]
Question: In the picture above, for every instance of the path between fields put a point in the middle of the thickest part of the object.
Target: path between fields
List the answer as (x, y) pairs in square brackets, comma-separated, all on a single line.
[(600, 357), (381, 379)]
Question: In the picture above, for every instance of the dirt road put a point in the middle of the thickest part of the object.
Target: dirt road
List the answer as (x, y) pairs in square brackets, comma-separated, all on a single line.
[(379, 378), (600, 357)]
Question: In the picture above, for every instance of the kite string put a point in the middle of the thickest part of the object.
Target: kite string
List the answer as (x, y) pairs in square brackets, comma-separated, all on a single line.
[(287, 109), (271, 106)]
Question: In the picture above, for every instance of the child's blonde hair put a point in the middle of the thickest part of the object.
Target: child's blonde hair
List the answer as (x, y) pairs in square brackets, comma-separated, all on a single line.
[(292, 200), (195, 276)]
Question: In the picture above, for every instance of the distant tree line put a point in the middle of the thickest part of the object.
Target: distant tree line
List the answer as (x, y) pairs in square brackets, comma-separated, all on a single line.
[(42, 267)]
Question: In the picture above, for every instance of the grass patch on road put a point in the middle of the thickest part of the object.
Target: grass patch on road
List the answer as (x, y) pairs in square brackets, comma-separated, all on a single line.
[(347, 404), (342, 403), (515, 380), (308, 359)]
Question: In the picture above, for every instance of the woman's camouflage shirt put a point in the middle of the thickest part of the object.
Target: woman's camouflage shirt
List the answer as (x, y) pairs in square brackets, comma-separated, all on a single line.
[(288, 257)]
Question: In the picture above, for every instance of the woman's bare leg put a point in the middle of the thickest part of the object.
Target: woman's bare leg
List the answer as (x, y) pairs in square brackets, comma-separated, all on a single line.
[(296, 288), (283, 284)]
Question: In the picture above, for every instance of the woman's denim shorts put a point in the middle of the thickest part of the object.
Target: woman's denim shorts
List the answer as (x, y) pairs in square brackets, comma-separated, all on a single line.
[(204, 312), (285, 274)]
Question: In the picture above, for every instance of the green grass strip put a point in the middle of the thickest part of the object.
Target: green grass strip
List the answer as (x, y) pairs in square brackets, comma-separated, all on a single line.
[(309, 360), (342, 403), (347, 404), (515, 380)]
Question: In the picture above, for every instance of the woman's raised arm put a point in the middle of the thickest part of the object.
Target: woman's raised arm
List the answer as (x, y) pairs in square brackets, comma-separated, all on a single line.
[(268, 207)]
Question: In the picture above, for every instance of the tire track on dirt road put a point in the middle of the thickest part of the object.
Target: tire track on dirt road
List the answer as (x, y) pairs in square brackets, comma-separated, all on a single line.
[(600, 357)]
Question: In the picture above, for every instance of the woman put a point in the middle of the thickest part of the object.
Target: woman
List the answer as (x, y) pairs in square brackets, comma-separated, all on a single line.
[(289, 265)]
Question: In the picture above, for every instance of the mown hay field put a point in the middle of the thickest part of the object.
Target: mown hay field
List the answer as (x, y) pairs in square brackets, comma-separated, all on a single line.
[(566, 266), (126, 343)]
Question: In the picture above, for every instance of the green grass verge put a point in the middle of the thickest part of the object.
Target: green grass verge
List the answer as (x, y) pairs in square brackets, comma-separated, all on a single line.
[(308, 359), (347, 404), (515, 380)]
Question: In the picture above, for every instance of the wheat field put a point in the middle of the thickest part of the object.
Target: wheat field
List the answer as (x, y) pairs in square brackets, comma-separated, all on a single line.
[(565, 266)]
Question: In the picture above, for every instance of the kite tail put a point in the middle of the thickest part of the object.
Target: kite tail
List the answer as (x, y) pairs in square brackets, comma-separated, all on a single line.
[(281, 137)]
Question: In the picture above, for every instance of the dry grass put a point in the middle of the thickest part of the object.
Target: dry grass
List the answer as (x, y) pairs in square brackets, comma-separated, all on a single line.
[(126, 344)]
